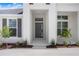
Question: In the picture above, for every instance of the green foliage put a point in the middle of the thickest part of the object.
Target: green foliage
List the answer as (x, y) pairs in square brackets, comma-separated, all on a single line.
[(53, 42), (21, 44), (65, 42), (66, 33), (77, 43), (25, 42), (5, 32)]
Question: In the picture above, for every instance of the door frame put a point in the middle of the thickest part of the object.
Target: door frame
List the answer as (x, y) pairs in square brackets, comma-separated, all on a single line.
[(43, 28), (44, 25)]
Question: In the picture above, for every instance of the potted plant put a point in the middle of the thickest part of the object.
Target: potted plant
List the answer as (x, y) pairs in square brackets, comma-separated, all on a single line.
[(5, 33), (66, 34)]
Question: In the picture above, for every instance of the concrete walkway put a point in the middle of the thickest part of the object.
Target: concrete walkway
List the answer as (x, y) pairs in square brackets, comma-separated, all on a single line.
[(40, 52)]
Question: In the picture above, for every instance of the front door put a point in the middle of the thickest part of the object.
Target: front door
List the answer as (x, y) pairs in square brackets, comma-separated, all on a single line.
[(39, 28)]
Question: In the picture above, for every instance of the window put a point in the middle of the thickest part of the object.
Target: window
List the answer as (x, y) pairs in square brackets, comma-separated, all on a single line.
[(62, 17), (13, 31), (62, 24), (47, 3), (12, 22), (58, 17), (20, 12), (12, 26), (15, 26), (38, 19), (31, 3)]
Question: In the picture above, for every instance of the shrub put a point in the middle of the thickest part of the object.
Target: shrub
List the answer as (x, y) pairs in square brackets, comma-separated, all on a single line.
[(53, 42), (21, 44), (77, 43), (25, 43), (65, 43), (5, 32), (66, 34)]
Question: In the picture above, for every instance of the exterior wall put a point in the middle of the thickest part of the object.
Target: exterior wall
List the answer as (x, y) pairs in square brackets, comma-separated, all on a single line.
[(67, 7), (26, 32), (52, 23), (51, 20), (9, 16), (72, 24), (78, 25), (72, 10)]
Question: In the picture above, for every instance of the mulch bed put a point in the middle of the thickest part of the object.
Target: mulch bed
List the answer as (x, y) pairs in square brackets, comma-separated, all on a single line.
[(13, 45), (51, 46), (68, 46), (27, 46), (62, 46)]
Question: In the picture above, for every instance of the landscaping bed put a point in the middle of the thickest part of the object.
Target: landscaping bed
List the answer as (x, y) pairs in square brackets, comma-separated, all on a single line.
[(15, 45), (68, 46), (51, 46), (62, 46)]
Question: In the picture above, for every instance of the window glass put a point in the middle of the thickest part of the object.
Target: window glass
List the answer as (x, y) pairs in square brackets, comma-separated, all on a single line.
[(38, 19), (65, 17), (59, 25), (13, 31), (12, 27), (31, 3), (64, 25), (58, 31), (59, 17), (47, 3), (12, 22), (62, 17)]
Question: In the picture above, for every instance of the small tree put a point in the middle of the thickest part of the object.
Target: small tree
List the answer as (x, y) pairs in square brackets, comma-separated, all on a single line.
[(66, 34), (5, 32)]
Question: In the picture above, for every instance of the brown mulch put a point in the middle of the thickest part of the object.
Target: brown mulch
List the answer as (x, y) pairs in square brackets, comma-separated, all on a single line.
[(62, 46)]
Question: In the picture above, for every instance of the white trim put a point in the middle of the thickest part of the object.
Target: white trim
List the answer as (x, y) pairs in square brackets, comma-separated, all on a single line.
[(37, 15), (12, 27), (8, 16), (62, 20)]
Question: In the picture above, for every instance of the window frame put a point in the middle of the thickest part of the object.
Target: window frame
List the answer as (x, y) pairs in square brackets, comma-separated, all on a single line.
[(61, 21), (13, 27)]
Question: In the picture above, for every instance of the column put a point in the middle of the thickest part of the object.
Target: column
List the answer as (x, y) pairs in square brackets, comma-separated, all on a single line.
[(52, 23), (78, 25), (26, 23)]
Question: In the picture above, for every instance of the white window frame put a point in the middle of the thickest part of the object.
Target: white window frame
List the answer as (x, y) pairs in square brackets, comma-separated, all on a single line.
[(62, 20), (13, 27)]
